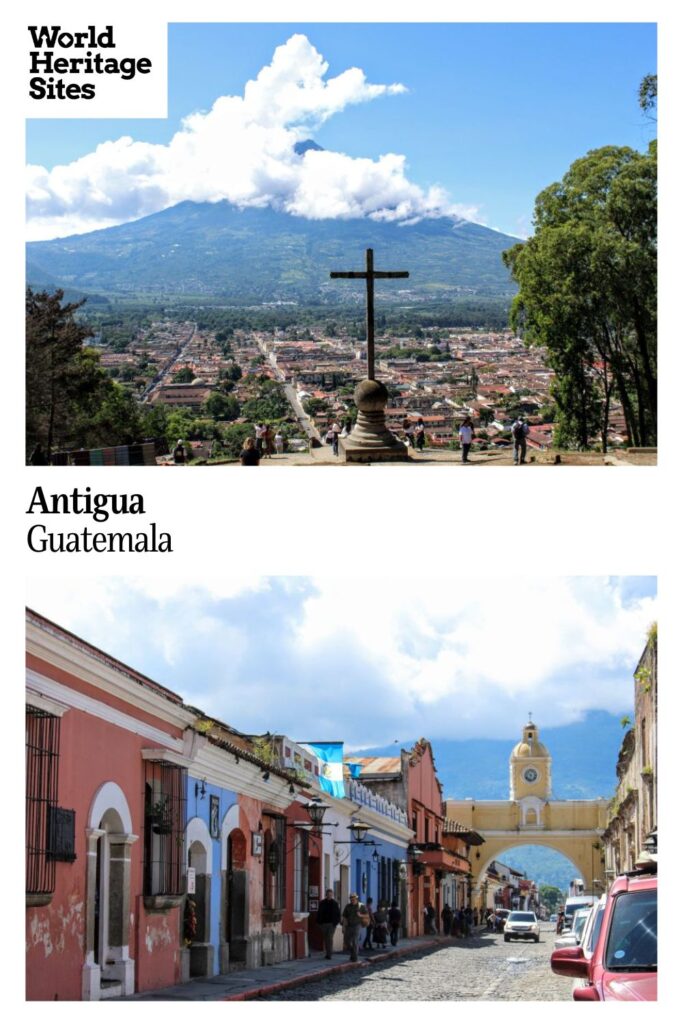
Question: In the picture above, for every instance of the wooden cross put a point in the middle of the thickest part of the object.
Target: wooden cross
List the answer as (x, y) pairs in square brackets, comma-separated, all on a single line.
[(370, 275)]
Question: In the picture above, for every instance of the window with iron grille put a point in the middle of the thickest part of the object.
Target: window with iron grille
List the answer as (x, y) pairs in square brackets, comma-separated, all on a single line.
[(42, 760), (274, 862), (301, 871), (164, 798)]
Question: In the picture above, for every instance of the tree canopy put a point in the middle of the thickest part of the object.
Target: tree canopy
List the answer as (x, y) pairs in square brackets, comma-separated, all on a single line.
[(588, 290)]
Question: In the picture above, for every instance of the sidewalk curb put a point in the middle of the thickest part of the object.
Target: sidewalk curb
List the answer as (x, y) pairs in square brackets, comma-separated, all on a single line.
[(304, 979)]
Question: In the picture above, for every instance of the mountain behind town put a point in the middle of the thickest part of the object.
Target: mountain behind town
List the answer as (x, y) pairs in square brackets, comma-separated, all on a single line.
[(256, 255), (584, 767)]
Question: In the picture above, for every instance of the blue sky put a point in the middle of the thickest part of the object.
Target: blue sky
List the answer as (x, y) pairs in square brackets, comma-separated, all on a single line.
[(372, 661), (491, 114)]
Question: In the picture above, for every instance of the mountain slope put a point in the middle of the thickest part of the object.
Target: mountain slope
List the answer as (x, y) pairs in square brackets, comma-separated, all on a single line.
[(262, 255)]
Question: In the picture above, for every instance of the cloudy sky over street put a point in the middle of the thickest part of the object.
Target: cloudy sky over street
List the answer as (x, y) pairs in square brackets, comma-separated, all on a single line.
[(371, 661), (413, 120)]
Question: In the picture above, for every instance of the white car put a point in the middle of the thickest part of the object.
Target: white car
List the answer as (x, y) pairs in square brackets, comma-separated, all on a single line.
[(522, 924), (573, 936)]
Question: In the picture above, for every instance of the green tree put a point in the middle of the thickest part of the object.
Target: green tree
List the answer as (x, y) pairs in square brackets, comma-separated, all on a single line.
[(222, 407), (54, 371), (234, 437), (184, 376), (551, 897), (587, 291), (647, 93)]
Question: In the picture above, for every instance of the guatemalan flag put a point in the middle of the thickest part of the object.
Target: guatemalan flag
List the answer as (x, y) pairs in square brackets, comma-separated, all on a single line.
[(330, 766)]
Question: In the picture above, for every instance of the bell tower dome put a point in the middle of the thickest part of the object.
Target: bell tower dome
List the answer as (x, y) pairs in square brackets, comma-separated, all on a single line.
[(530, 767)]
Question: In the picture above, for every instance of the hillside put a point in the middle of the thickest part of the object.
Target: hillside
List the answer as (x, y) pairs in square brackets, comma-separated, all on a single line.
[(260, 255)]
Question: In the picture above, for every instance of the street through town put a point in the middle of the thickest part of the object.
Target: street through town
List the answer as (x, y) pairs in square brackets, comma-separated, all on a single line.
[(481, 968)]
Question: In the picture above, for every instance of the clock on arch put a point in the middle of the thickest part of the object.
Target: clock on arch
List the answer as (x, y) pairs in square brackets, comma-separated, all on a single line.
[(530, 774)]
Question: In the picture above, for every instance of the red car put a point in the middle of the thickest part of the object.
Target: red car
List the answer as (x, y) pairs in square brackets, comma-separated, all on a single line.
[(623, 965)]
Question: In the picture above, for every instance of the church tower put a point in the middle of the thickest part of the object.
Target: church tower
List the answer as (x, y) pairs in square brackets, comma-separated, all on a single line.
[(530, 769)]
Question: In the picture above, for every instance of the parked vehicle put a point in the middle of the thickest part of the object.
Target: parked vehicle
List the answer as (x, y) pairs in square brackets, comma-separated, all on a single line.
[(620, 964), (575, 903), (591, 933), (572, 936), (522, 924)]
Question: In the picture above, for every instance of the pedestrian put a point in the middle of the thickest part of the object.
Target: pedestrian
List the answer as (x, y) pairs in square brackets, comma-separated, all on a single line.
[(420, 434), (179, 453), (268, 445), (394, 922), (354, 917), (447, 919), (279, 442), (430, 918), (489, 921), (367, 941), (520, 429), (329, 916), (475, 917), (409, 431), (560, 922), (259, 434), (466, 433), (468, 921), (250, 455), (380, 932)]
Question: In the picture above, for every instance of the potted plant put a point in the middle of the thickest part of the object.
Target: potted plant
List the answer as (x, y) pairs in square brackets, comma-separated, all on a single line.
[(160, 815)]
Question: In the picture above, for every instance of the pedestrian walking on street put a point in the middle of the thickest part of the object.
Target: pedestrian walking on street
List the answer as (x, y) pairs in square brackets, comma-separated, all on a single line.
[(520, 429), (394, 922), (420, 434), (430, 918), (279, 443), (354, 917), (367, 941), (466, 433), (249, 456), (380, 932), (447, 919), (560, 922), (329, 916)]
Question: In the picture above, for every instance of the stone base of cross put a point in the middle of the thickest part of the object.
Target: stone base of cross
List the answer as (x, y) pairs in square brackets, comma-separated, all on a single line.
[(371, 440)]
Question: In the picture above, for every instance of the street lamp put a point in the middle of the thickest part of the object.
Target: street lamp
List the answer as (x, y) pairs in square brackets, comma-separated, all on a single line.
[(359, 830), (317, 810)]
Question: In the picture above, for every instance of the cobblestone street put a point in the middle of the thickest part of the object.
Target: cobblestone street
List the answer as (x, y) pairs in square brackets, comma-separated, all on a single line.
[(484, 967)]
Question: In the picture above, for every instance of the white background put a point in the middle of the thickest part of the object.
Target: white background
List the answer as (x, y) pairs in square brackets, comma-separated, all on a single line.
[(144, 95), (360, 521)]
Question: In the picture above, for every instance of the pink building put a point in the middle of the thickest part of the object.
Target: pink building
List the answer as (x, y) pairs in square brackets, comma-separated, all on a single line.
[(105, 803)]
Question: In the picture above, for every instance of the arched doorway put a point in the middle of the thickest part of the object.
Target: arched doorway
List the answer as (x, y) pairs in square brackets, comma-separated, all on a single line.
[(236, 906), (108, 970), (199, 860)]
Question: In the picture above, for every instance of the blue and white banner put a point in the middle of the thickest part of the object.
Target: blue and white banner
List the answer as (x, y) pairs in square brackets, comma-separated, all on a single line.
[(330, 766), (355, 768)]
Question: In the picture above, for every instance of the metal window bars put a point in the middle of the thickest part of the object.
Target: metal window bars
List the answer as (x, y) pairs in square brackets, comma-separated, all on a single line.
[(164, 817), (42, 761)]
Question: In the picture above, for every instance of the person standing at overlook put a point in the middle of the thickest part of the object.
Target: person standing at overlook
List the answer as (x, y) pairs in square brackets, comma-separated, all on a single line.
[(466, 433)]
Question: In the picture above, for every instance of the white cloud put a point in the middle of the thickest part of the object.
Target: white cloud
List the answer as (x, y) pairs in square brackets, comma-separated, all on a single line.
[(241, 150), (371, 660)]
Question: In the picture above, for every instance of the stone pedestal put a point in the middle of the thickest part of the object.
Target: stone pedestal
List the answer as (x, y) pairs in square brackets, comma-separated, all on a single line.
[(201, 960), (185, 964), (371, 440)]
